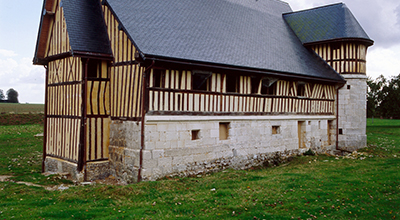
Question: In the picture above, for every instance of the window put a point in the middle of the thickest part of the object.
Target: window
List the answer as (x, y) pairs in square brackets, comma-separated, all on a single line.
[(195, 134), (158, 78), (232, 83), (223, 130), (255, 84), (301, 89), (276, 129), (94, 68), (335, 46), (201, 80), (348, 87), (268, 87), (340, 131)]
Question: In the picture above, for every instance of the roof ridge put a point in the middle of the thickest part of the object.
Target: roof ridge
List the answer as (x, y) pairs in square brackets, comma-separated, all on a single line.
[(316, 8)]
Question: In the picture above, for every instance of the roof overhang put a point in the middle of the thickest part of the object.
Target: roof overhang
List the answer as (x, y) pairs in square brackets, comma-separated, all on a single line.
[(366, 42), (167, 62), (46, 20)]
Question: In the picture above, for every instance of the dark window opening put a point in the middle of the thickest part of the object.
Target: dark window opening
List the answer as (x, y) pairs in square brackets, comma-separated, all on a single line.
[(340, 131), (335, 46), (232, 83), (255, 84), (268, 87), (158, 78), (301, 89), (195, 134), (348, 86), (201, 80), (94, 69)]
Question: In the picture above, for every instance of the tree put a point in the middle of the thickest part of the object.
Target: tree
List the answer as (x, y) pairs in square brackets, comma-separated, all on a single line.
[(390, 105), (2, 97), (12, 96), (374, 95)]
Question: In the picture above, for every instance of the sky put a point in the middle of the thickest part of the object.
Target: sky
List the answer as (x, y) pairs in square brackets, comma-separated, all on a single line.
[(19, 23)]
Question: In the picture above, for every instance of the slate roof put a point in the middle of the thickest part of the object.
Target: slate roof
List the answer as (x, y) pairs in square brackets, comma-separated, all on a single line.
[(242, 33), (326, 23), (86, 26)]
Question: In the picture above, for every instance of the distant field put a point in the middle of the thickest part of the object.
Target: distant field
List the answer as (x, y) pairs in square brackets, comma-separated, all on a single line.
[(6, 108)]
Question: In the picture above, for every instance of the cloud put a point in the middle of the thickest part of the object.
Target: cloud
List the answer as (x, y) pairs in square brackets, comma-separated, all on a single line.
[(383, 61), (7, 53), (20, 74)]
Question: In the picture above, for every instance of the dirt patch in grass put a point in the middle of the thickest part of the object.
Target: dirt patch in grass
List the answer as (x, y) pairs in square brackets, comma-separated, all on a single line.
[(21, 119)]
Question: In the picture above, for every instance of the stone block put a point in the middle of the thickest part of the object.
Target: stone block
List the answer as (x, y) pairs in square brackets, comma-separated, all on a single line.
[(156, 154), (162, 145), (150, 145), (165, 162), (150, 163), (147, 155), (162, 127)]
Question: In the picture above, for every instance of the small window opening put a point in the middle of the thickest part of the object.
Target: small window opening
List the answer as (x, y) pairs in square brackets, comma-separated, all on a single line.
[(223, 130), (158, 78), (309, 122), (276, 129), (301, 89), (268, 87), (255, 84), (201, 80), (319, 124), (232, 83), (348, 86), (340, 131), (94, 69), (335, 46), (195, 134)]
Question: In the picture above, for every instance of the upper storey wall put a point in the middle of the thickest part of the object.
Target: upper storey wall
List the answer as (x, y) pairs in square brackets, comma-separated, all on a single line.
[(121, 45), (58, 41), (344, 57)]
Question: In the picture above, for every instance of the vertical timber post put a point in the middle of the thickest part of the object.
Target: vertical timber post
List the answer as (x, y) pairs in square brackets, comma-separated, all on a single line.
[(82, 138), (45, 118)]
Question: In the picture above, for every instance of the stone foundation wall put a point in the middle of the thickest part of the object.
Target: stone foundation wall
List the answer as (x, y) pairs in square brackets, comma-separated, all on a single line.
[(171, 148), (124, 150), (353, 113), (93, 170)]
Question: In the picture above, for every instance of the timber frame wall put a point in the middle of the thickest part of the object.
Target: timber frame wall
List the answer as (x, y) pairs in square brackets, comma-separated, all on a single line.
[(347, 57), (77, 106), (176, 96), (126, 73)]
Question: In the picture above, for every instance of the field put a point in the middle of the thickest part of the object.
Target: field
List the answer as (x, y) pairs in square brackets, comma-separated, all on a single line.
[(6, 108), (21, 114), (365, 185)]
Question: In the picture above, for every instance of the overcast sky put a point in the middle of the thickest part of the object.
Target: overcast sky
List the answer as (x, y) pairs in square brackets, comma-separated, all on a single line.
[(19, 23)]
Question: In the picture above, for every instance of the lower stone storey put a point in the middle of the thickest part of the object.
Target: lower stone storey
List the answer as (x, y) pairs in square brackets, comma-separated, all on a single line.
[(189, 145)]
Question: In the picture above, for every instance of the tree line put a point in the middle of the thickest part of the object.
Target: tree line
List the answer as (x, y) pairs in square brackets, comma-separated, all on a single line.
[(383, 97), (12, 96)]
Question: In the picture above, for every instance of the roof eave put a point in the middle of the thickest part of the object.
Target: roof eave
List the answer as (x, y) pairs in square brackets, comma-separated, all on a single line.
[(367, 42), (43, 35), (226, 67)]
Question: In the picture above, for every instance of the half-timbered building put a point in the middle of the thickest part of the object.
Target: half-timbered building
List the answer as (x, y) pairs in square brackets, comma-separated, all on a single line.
[(144, 89)]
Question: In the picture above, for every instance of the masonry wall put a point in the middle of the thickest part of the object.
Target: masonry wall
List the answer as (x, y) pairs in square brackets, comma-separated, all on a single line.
[(124, 150), (353, 113), (172, 149)]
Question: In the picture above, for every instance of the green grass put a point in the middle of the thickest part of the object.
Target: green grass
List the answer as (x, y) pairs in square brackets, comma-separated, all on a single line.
[(15, 108), (308, 187)]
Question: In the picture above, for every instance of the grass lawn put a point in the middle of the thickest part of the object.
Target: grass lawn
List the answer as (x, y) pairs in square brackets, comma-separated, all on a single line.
[(309, 187)]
